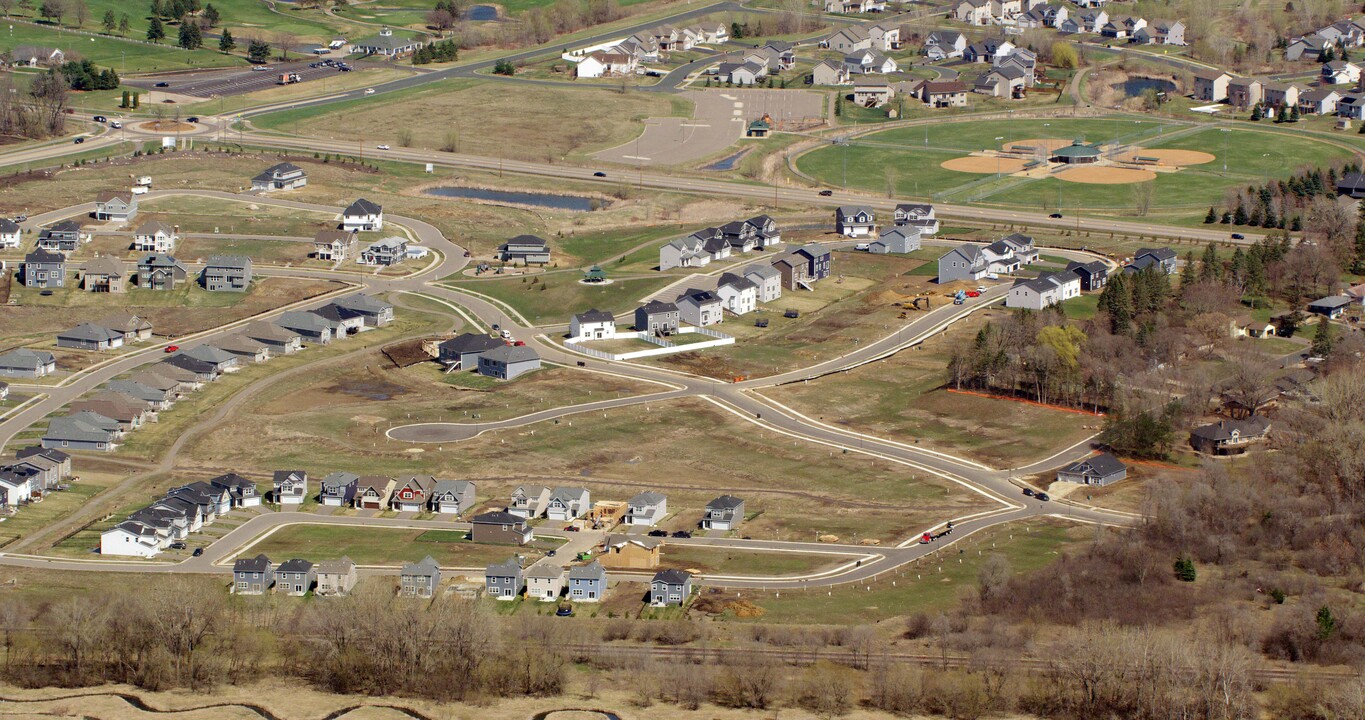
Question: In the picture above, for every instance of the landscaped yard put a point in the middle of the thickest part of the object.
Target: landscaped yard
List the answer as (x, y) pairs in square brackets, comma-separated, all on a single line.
[(386, 546)]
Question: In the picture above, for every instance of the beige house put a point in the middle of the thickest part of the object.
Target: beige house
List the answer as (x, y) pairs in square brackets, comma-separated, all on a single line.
[(630, 552), (104, 274), (336, 577)]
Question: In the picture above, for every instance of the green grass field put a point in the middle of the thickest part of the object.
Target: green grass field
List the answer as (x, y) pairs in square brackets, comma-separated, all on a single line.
[(121, 55), (242, 17), (382, 546)]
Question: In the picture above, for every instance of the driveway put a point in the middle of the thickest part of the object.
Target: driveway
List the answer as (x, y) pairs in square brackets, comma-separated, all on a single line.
[(718, 121)]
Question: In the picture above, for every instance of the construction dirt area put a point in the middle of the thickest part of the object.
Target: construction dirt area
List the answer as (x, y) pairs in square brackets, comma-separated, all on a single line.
[(718, 120)]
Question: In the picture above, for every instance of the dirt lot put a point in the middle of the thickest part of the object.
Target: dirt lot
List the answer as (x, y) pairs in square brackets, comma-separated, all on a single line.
[(185, 310)]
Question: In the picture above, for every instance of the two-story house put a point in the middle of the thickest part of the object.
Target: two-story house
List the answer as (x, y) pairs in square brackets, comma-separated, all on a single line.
[(420, 579), (284, 176), (362, 215), (670, 587), (500, 527), (227, 273), (289, 487), (252, 576)]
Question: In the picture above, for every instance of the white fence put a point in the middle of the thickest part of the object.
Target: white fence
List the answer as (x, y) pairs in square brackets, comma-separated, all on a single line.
[(666, 347)]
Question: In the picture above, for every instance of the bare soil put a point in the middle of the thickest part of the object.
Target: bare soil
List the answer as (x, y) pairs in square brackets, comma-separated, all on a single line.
[(1105, 175), (984, 165)]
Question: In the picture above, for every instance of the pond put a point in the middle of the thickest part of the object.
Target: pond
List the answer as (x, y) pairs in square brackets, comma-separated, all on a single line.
[(575, 203), (1135, 86), (481, 13), (726, 163)]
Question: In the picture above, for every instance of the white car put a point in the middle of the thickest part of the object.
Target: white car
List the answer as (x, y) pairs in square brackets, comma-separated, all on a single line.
[(139, 189), (862, 246), (383, 147), (369, 91), (981, 288)]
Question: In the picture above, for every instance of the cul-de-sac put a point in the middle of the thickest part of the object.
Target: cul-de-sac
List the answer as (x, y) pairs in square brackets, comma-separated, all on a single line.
[(591, 359)]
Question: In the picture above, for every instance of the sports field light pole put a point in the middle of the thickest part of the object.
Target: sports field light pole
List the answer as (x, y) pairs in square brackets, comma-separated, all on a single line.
[(997, 157), (1225, 132)]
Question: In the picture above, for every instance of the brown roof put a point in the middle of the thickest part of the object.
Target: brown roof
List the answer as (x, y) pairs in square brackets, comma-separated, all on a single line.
[(939, 88), (124, 322), (331, 236), (105, 265)]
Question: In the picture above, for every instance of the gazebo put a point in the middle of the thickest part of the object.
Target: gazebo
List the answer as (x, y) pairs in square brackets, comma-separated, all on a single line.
[(1077, 153), (595, 274)]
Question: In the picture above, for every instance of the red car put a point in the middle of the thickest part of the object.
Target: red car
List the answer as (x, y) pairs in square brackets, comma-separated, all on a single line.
[(172, 348), (973, 293), (519, 343)]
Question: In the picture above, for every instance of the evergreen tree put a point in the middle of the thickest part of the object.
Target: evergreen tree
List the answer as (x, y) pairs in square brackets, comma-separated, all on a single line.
[(1294, 114), (258, 51), (1227, 218), (1184, 570), (1239, 217), (1358, 262), (1296, 224), (123, 27), (1237, 269), (1323, 339), (109, 22), (1187, 273), (190, 37), (1116, 302), (125, 102), (1256, 280), (211, 15), (1256, 112), (225, 42), (156, 9), (1212, 217), (1282, 116), (155, 33)]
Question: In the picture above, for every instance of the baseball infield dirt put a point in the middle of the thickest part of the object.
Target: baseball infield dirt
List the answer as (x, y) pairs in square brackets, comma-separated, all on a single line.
[(984, 165), (1178, 158), (1105, 175)]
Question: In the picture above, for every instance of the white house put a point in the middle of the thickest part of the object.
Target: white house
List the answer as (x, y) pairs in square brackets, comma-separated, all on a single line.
[(9, 234), (700, 308), (767, 279), (647, 509), (132, 539), (1046, 290), (362, 215), (592, 325), (568, 503), (855, 220), (155, 236), (737, 294)]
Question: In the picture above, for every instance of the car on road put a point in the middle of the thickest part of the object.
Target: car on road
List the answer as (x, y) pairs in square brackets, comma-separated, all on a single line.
[(658, 533), (1055, 216), (551, 553), (826, 193), (191, 119), (1028, 492), (101, 118), (681, 534), (20, 218), (862, 246), (383, 147), (78, 141), (571, 528), (506, 334), (172, 348), (260, 68), (163, 83), (599, 173), (973, 293), (115, 124), (198, 552), (1043, 497), (369, 91), (1238, 236), (981, 288)]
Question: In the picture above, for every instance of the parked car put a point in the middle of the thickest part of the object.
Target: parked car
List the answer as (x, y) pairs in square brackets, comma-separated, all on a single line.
[(658, 533), (862, 246), (1055, 216), (826, 193), (163, 84), (101, 118), (192, 119), (551, 553), (20, 218), (682, 534), (178, 546), (571, 528)]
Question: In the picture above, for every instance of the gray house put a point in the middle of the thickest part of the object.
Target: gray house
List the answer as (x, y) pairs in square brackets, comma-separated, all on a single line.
[(64, 236), (463, 351), (280, 340), (157, 398), (118, 205), (452, 496), (504, 580), (89, 336), (227, 273), (723, 513), (375, 312), (82, 431), (508, 361), (670, 587), (657, 318), (1096, 470), (768, 280), (309, 325), (420, 579), (159, 271), (895, 240), (336, 577), (1163, 258), (295, 577), (526, 249), (338, 489), (587, 583), (646, 508), (44, 269), (25, 363), (289, 487), (855, 220), (252, 576)]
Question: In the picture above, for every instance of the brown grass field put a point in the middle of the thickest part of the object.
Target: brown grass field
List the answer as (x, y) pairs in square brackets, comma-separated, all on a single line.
[(984, 165), (1105, 175)]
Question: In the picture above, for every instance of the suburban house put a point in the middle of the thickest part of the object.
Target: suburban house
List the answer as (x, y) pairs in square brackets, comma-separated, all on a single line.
[(200, 371), (155, 236), (500, 527), (1163, 258), (1211, 85), (241, 491), (336, 577), (1093, 274), (104, 274), (157, 398), (1005, 81), (334, 245), (760, 231), (745, 73), (1045, 290), (1330, 307), (646, 508), (372, 492), (362, 215), (1340, 72), (944, 45), (339, 489), (246, 349), (689, 251), (737, 294), (631, 552), (88, 336), (1309, 47), (51, 466), (419, 579), (413, 494), (525, 249), (221, 361), (280, 340), (117, 206), (968, 262), (855, 220), (606, 64), (289, 487), (870, 62), (383, 253), (507, 362), (657, 318), (82, 431), (133, 328), (723, 513), (972, 12), (568, 503), (252, 576), (592, 325), (36, 56), (309, 325), (160, 272), (295, 577), (44, 269), (463, 350), (1122, 27), (848, 39), (700, 308), (544, 581), (226, 273), (25, 363), (895, 240), (1159, 32), (828, 72), (529, 501), (10, 234), (1319, 101), (670, 587), (766, 279), (1229, 437), (503, 580), (1244, 92), (587, 583), (990, 50), (872, 92), (452, 497), (1282, 94), (387, 45), (1043, 16), (133, 539), (65, 236), (1095, 470), (284, 176), (944, 94)]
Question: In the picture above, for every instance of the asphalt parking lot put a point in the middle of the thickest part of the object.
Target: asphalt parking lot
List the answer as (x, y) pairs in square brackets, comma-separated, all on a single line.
[(226, 83), (718, 120)]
